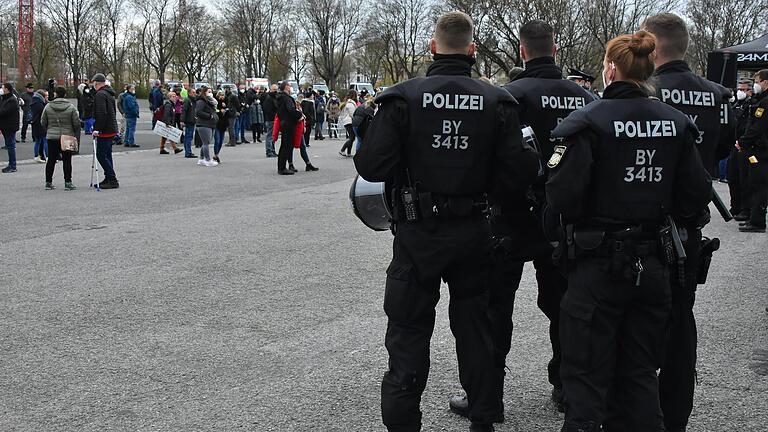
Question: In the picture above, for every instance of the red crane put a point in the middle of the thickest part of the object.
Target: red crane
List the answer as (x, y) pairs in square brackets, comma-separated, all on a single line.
[(26, 37)]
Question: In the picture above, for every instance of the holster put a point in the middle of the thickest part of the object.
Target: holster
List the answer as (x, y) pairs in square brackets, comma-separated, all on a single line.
[(708, 248)]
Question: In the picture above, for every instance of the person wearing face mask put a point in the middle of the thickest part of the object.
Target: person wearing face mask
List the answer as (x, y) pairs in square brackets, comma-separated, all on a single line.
[(544, 100), (738, 166), (9, 123), (443, 142), (707, 104), (754, 144), (244, 120), (626, 164), (232, 113), (206, 119), (131, 109)]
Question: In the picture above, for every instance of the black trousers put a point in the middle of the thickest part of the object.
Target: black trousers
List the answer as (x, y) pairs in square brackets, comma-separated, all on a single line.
[(350, 140), (758, 180), (458, 252), (612, 335), (677, 377), (738, 182), (506, 274), (24, 127), (307, 133), (286, 145), (54, 149)]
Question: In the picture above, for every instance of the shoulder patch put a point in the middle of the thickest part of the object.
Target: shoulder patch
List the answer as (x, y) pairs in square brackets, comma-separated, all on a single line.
[(759, 112), (557, 156)]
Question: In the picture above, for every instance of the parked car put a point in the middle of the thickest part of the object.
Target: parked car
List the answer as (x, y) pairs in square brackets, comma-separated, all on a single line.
[(321, 86), (197, 85), (360, 86), (225, 86), (172, 84)]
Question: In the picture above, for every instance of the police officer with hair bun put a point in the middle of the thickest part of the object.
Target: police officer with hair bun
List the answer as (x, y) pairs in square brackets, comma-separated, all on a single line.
[(443, 142), (627, 168)]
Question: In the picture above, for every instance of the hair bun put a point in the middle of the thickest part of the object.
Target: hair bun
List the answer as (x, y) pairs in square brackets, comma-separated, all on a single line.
[(642, 43)]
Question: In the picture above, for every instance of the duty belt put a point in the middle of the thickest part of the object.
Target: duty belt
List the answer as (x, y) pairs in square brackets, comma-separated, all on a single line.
[(598, 243), (437, 206)]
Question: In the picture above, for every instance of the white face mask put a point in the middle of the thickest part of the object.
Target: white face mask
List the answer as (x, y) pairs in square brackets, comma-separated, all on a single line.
[(756, 89), (606, 82), (741, 95), (2, 91)]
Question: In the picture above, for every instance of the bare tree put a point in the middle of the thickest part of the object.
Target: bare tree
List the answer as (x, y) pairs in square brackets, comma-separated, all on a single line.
[(332, 26), (406, 31), (111, 48), (44, 55), (198, 48), (71, 21), (158, 33), (718, 24), (257, 21)]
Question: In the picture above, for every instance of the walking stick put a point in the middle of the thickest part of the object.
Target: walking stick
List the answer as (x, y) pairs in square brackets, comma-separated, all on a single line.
[(94, 166)]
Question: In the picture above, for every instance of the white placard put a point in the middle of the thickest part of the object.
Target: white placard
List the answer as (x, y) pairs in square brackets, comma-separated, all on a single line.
[(168, 132)]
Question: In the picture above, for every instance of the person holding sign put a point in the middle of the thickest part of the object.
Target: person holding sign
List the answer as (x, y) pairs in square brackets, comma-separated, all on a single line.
[(169, 114)]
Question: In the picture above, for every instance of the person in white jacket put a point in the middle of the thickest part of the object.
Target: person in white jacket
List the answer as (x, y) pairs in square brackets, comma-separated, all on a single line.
[(345, 119)]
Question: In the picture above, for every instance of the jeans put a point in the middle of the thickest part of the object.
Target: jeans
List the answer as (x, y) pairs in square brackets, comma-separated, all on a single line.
[(130, 131), (245, 123), (41, 147), (319, 130), (189, 135), (10, 145), (358, 140), (104, 156), (723, 169), (218, 140), (269, 145), (302, 151), (231, 130), (89, 122)]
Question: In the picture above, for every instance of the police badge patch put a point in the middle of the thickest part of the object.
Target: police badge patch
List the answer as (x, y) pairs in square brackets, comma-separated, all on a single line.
[(759, 112), (557, 156)]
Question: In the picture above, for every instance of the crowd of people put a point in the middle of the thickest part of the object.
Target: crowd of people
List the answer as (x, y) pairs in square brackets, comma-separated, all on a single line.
[(208, 119)]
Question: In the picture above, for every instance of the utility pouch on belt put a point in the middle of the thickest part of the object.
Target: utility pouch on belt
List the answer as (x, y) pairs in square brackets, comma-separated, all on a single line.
[(667, 245), (708, 247), (588, 240)]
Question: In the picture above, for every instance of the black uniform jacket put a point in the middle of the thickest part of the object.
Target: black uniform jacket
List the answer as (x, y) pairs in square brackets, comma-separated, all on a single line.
[(502, 160), (755, 139), (627, 158)]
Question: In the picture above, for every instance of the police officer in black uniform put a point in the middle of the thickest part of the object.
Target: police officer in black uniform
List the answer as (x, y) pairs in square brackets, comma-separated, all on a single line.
[(627, 164), (738, 166), (707, 104), (545, 99), (443, 142), (754, 144)]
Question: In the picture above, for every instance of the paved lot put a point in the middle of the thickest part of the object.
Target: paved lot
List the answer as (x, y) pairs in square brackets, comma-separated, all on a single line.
[(230, 298)]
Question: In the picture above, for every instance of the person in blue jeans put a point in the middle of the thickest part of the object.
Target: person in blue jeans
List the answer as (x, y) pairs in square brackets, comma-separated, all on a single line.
[(9, 123), (37, 105), (131, 110), (105, 129), (188, 122)]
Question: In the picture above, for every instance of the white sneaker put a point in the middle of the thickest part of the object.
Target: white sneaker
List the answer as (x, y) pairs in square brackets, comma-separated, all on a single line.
[(212, 163), (201, 161), (38, 160)]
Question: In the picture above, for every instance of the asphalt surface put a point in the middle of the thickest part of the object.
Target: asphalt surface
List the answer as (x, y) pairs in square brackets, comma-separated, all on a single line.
[(144, 137), (231, 298)]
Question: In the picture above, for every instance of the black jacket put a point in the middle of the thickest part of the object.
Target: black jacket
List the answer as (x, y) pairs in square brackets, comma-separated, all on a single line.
[(269, 106), (205, 113), (755, 139), (188, 111), (104, 111), (308, 108), (86, 103), (361, 113), (9, 113), (287, 112), (233, 104), (169, 112)]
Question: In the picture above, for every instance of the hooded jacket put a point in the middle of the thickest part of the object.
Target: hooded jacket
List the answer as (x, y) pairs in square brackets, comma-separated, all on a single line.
[(59, 118), (36, 108)]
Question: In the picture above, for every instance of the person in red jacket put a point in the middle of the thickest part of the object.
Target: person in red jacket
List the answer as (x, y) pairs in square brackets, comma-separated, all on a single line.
[(298, 142)]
